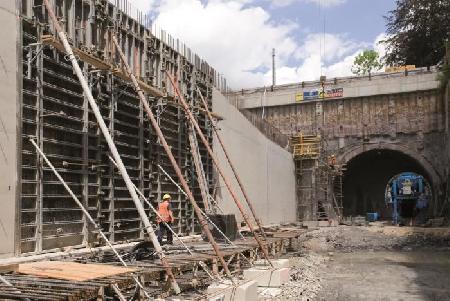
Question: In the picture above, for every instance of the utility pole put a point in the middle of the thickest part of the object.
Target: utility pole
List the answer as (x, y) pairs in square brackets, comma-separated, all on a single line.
[(274, 76)]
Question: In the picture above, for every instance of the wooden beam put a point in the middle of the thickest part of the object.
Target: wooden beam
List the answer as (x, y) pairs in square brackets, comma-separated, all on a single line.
[(101, 65)]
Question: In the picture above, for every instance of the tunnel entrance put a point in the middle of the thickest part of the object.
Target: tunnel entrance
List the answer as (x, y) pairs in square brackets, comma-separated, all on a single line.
[(367, 176)]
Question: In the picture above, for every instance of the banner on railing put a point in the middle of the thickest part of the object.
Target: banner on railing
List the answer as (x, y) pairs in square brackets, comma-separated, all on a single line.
[(319, 94)]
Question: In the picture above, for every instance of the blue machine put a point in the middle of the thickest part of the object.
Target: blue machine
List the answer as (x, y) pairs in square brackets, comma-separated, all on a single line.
[(403, 192)]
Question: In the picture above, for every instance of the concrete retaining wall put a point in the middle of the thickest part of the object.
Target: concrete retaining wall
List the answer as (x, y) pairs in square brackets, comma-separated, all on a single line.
[(9, 115), (266, 169)]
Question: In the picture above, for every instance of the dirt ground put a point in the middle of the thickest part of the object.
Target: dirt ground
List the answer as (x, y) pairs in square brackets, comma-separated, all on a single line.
[(369, 263)]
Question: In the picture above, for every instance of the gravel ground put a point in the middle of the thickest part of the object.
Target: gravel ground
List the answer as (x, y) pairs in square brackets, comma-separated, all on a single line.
[(335, 263)]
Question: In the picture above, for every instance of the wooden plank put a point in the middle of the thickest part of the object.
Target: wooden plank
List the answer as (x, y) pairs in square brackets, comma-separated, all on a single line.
[(71, 270), (9, 268), (100, 64)]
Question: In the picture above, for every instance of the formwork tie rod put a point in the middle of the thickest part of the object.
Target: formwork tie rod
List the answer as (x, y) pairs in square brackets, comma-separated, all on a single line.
[(194, 122), (174, 163), (112, 147), (85, 212), (238, 179)]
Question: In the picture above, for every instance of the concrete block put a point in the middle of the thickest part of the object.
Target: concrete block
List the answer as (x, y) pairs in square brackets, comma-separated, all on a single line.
[(266, 277), (277, 263), (227, 292)]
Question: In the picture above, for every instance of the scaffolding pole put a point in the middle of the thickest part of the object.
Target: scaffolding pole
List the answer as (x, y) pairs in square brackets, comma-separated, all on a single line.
[(112, 147), (238, 179), (191, 118), (197, 163), (85, 212), (156, 212), (174, 163)]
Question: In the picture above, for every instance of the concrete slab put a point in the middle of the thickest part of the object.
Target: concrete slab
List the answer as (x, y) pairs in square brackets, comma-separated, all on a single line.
[(277, 263), (227, 292), (266, 277)]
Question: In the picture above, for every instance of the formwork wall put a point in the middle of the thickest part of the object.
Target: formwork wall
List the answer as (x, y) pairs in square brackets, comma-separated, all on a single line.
[(57, 116)]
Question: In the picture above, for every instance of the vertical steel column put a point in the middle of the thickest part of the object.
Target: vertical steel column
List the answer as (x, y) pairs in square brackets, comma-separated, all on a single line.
[(175, 165), (216, 163), (219, 138), (85, 154), (112, 146), (112, 173), (84, 210), (200, 175), (39, 135)]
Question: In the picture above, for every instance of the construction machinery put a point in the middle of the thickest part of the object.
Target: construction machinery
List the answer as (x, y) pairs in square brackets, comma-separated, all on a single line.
[(402, 194)]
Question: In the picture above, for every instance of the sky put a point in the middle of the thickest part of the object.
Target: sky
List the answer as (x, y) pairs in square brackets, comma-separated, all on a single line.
[(311, 37)]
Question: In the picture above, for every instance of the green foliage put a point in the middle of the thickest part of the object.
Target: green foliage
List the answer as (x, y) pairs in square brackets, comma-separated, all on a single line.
[(417, 31), (365, 62)]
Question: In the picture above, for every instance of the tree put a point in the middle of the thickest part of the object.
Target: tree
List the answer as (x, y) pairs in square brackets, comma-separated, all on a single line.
[(365, 62), (417, 31)]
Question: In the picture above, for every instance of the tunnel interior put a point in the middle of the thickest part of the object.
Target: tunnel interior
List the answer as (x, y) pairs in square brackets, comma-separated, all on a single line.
[(366, 177)]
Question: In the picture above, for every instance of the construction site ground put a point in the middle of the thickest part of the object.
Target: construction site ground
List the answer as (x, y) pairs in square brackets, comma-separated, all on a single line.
[(373, 262)]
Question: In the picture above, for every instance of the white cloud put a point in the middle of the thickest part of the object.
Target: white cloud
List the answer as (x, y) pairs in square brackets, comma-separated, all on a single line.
[(380, 47), (327, 3), (312, 66), (236, 38), (323, 3), (329, 46), (233, 38)]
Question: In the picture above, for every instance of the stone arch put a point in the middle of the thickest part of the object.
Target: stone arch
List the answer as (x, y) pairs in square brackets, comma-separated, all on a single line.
[(400, 156)]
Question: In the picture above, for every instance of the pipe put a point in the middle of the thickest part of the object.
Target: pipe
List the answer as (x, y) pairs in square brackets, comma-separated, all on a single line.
[(112, 147), (174, 163), (85, 212), (238, 179), (17, 291), (216, 163)]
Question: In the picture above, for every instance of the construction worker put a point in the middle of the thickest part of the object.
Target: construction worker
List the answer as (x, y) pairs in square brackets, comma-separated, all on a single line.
[(165, 219), (332, 161)]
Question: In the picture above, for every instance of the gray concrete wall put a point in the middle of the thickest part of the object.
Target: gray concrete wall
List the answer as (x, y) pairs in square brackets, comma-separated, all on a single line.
[(9, 114), (266, 169)]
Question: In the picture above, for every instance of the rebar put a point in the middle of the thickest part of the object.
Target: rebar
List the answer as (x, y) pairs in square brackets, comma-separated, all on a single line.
[(174, 163), (112, 147), (85, 212)]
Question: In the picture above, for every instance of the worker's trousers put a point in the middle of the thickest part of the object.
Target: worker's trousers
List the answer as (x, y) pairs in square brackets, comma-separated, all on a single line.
[(163, 229)]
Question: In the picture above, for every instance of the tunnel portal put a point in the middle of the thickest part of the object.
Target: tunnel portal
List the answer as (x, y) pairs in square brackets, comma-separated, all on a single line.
[(367, 175)]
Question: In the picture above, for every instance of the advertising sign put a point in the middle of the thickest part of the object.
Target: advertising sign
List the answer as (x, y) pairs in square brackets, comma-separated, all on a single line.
[(319, 94)]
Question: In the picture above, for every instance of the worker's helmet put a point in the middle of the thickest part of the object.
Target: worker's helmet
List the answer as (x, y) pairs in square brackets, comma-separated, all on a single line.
[(166, 196)]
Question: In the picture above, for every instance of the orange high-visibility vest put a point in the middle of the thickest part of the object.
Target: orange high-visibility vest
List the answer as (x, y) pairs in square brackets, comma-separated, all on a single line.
[(163, 210)]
